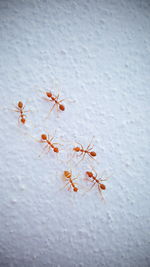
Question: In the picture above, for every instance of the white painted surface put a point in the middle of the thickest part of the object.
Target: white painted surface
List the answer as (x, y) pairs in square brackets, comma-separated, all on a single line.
[(97, 53)]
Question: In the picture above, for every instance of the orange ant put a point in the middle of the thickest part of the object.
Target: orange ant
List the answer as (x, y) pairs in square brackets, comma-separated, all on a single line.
[(93, 178), (52, 98), (83, 151), (68, 178), (20, 108), (45, 139)]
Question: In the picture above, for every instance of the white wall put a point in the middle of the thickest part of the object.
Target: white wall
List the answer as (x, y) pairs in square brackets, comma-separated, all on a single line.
[(97, 53)]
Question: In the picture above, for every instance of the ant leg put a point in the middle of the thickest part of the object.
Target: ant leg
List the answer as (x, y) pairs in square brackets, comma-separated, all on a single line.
[(56, 98), (19, 120), (90, 188), (58, 144), (87, 179), (47, 99), (80, 154), (94, 171), (50, 111), (43, 151), (91, 148), (49, 148), (91, 156), (48, 137), (103, 179), (69, 100), (102, 198), (27, 110), (69, 188), (64, 186), (57, 110), (74, 179), (52, 108), (15, 110), (16, 107), (90, 143), (82, 158), (62, 100), (52, 136), (80, 145)]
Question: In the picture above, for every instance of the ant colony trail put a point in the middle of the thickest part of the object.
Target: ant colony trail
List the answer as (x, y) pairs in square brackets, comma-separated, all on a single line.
[(78, 150)]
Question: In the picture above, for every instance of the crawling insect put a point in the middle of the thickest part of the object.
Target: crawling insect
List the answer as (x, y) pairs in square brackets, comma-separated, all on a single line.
[(68, 177), (51, 98), (93, 178), (49, 144), (20, 108), (83, 151)]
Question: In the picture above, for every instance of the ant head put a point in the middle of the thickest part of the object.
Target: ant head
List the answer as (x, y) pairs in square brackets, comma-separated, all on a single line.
[(67, 174), (93, 154), (102, 186), (90, 174), (49, 94), (62, 107), (43, 136), (56, 149), (20, 104), (23, 120), (77, 149), (75, 189)]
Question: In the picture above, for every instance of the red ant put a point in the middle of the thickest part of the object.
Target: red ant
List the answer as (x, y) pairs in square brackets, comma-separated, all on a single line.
[(52, 98), (93, 178), (68, 178), (83, 151), (20, 108), (45, 139)]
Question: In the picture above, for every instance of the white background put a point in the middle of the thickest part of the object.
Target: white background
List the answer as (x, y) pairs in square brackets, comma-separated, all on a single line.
[(98, 54)]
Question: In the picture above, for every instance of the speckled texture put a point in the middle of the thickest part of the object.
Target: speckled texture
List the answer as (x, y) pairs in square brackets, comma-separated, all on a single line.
[(97, 53)]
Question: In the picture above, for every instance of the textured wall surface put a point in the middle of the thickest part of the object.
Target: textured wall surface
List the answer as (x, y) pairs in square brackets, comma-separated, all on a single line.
[(98, 54)]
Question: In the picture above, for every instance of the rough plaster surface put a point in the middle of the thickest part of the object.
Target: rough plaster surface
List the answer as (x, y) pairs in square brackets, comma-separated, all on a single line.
[(97, 53)]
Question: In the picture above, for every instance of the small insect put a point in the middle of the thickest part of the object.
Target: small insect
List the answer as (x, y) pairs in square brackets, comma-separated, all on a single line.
[(20, 108), (68, 178), (83, 151), (49, 144), (93, 178), (51, 98)]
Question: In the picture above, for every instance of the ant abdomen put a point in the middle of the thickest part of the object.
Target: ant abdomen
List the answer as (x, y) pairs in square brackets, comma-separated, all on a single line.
[(93, 154), (23, 120), (75, 189), (62, 107), (56, 150), (102, 186)]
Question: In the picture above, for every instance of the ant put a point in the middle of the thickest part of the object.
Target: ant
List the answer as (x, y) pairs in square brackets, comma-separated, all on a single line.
[(67, 176), (45, 139), (51, 98), (93, 178), (20, 108), (83, 151)]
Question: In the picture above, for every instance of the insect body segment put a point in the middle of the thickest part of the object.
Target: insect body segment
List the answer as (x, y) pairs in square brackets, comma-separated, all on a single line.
[(50, 145), (50, 97), (93, 178), (68, 177), (83, 151), (20, 108)]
